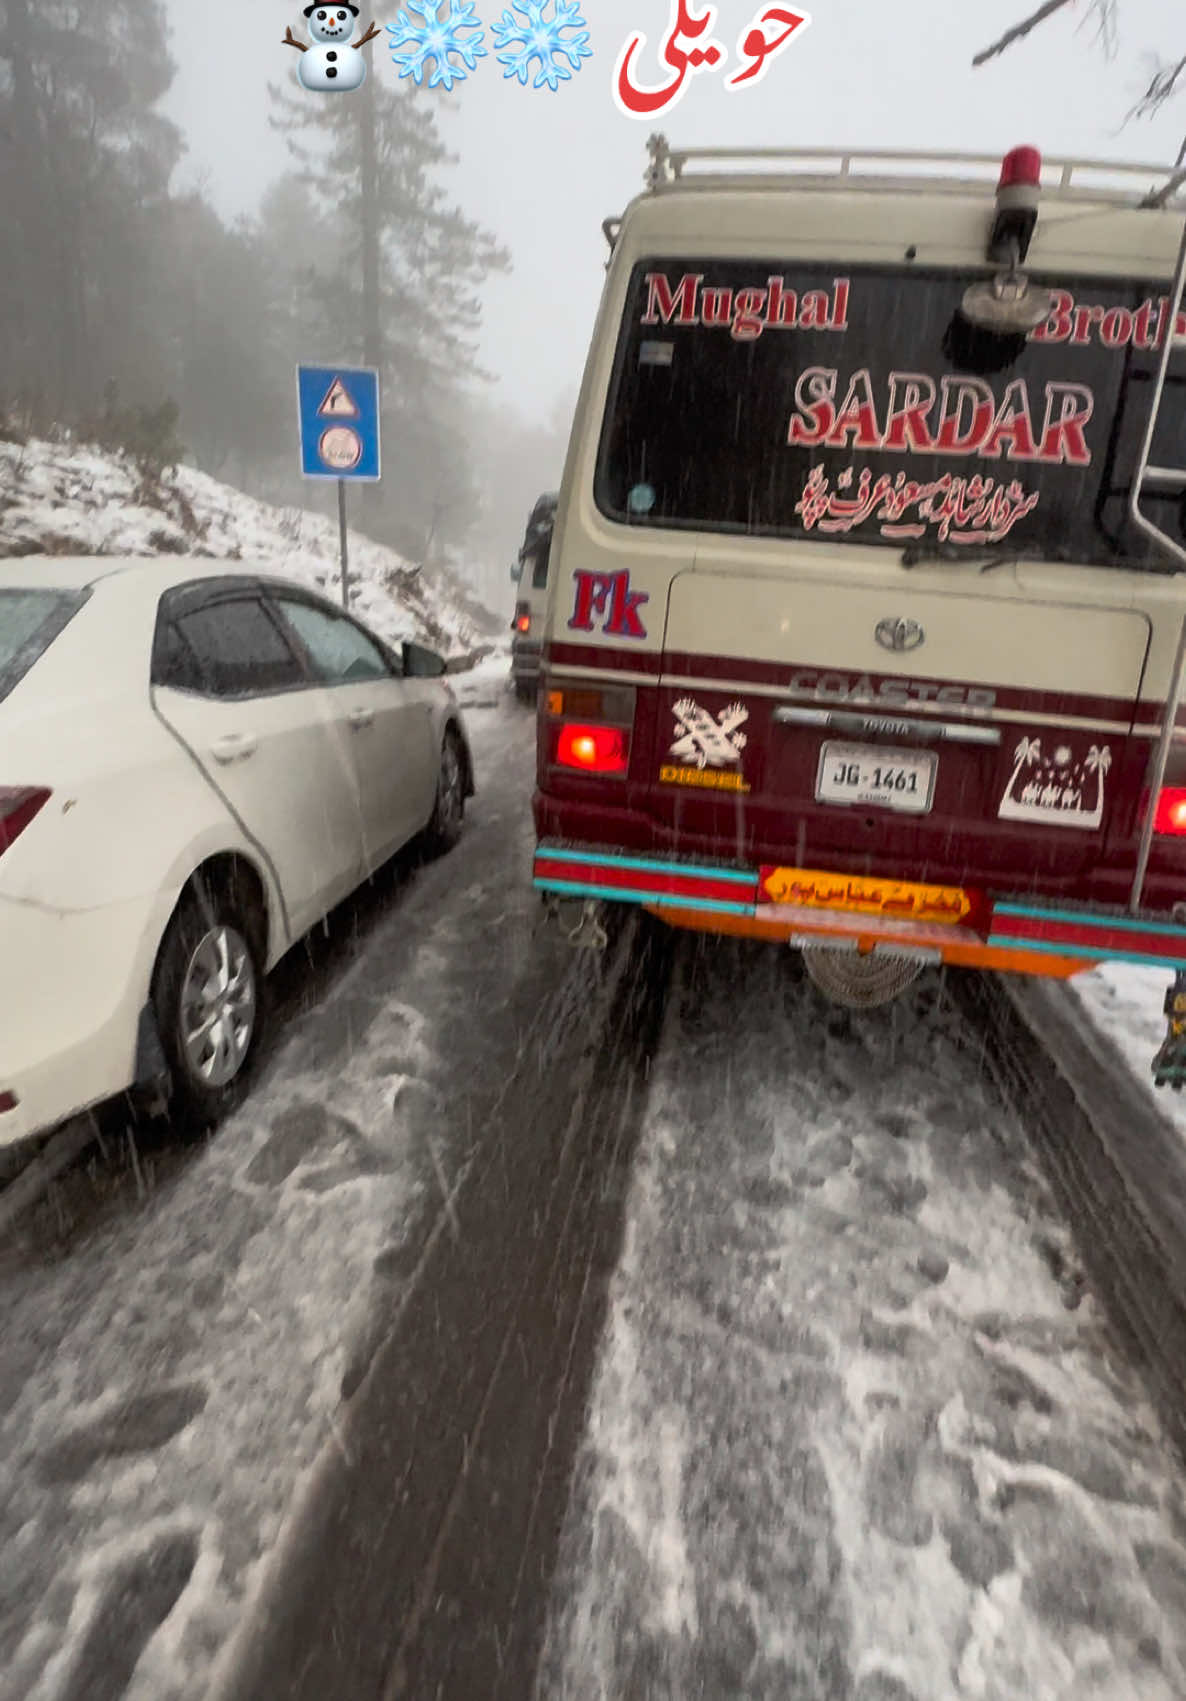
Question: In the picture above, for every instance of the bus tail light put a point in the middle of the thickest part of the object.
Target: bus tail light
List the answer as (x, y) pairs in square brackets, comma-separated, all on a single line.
[(589, 728), (593, 749), (1170, 818), (522, 620)]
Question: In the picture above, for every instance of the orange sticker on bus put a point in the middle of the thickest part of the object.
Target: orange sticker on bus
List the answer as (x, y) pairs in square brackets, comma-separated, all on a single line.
[(813, 889)]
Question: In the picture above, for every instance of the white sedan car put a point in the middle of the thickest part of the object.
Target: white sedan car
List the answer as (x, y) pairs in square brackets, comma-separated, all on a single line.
[(196, 764)]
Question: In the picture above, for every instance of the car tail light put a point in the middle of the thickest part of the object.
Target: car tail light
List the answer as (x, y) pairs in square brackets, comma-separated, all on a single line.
[(18, 805), (593, 749)]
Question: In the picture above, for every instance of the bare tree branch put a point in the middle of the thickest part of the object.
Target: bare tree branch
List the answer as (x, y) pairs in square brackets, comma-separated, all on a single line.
[(1162, 84), (1108, 30), (1018, 30), (1165, 79)]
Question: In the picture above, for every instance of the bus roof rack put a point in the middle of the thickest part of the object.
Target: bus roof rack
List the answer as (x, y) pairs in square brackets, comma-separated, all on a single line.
[(880, 168)]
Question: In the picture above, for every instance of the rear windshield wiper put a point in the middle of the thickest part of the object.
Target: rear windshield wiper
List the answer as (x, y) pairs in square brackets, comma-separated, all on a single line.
[(991, 555)]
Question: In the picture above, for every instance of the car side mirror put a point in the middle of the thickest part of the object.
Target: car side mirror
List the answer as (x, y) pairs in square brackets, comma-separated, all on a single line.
[(422, 663)]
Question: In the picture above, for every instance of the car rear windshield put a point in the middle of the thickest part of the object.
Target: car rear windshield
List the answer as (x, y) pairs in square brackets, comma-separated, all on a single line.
[(30, 620), (856, 404)]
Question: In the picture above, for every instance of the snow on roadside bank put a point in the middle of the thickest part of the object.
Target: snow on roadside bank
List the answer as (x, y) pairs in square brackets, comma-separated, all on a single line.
[(59, 499), (1126, 1003), (487, 684)]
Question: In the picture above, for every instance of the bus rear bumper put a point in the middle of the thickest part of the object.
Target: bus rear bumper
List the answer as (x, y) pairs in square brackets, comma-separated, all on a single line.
[(525, 659), (1017, 934)]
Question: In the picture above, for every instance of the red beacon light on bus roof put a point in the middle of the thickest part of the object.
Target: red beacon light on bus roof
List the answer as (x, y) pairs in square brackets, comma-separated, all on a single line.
[(1018, 188), (1020, 165), (1005, 304)]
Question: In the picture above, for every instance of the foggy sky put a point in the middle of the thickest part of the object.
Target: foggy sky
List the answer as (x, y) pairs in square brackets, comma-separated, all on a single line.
[(542, 169)]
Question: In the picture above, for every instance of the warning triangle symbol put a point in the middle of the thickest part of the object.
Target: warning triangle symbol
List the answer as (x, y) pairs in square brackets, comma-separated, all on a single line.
[(338, 401)]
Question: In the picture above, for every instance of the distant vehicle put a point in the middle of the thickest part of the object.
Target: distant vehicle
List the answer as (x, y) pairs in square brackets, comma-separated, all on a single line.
[(530, 572), (867, 625), (197, 764)]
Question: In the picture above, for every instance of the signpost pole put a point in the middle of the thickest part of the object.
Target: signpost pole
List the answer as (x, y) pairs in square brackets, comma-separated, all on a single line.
[(342, 539), (338, 421)]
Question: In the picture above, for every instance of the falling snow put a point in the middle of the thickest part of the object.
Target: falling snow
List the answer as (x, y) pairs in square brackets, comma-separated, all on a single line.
[(855, 1430), (1056, 786)]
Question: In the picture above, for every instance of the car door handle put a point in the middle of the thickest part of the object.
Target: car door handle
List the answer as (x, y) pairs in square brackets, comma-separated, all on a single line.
[(360, 717), (234, 746)]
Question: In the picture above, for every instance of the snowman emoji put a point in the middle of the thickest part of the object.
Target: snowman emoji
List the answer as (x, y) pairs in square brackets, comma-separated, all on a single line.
[(331, 62)]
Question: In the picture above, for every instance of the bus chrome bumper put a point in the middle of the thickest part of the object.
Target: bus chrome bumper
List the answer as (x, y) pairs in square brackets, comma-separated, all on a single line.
[(968, 928)]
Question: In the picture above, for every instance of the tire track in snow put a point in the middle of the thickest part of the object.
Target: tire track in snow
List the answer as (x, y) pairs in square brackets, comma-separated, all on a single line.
[(850, 1322), (418, 1563), (249, 1269)]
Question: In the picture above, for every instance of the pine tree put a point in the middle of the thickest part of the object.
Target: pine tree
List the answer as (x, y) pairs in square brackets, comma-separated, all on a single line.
[(85, 163), (406, 293)]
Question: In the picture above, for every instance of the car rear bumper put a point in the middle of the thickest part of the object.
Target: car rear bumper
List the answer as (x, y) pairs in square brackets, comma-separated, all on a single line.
[(969, 927), (70, 1039)]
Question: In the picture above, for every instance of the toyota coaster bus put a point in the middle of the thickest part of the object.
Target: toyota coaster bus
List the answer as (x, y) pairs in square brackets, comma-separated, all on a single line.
[(866, 617)]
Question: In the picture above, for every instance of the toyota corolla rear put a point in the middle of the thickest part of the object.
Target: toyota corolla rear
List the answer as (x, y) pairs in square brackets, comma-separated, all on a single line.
[(93, 796)]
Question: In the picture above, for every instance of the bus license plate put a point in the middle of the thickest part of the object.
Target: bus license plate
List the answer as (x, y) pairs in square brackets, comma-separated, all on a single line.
[(864, 774)]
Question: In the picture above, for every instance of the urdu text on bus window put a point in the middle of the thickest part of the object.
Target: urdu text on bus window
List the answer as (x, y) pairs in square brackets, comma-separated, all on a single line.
[(853, 403)]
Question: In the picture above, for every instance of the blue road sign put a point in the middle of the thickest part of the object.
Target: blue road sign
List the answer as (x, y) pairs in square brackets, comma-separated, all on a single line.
[(338, 408)]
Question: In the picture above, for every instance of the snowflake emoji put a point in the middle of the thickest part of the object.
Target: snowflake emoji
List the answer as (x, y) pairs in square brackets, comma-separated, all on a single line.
[(458, 33), (532, 36)]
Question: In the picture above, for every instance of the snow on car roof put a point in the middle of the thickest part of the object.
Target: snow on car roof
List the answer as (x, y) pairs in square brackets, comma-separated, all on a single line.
[(71, 573)]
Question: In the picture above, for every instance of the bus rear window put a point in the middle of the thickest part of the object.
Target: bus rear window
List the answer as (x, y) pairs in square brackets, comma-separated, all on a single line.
[(538, 562), (855, 404)]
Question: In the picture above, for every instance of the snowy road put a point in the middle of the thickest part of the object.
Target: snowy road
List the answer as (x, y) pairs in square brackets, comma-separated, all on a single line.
[(858, 1433), (173, 1362), (295, 1414)]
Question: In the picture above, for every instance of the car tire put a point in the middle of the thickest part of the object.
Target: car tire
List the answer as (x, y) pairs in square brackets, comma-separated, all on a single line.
[(524, 692), (208, 999), (448, 813)]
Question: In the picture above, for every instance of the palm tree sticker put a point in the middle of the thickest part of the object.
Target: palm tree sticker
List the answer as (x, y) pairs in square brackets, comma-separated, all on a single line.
[(1060, 789)]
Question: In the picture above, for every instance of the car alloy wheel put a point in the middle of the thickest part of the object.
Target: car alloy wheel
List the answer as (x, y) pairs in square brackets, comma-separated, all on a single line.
[(451, 802), (444, 829), (218, 1006)]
